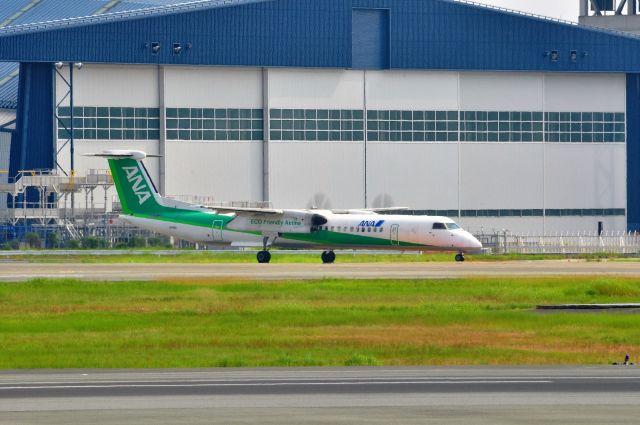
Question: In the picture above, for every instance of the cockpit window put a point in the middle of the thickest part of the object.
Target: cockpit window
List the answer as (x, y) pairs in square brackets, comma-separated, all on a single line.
[(452, 226), (439, 226)]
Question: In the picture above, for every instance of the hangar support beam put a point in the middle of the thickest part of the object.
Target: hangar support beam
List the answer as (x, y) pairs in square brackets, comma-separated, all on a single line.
[(266, 135), (162, 143)]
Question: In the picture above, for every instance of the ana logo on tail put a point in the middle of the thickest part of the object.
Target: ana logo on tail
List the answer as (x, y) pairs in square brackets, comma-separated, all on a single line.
[(138, 184)]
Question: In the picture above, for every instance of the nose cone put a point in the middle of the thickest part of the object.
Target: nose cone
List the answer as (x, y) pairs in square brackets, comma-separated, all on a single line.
[(475, 243), (471, 243)]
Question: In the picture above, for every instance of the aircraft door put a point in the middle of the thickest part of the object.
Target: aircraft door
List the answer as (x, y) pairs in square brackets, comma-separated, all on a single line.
[(216, 230), (395, 234)]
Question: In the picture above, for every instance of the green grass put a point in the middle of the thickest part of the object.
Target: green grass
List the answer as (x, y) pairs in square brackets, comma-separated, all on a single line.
[(219, 323), (201, 257), (191, 257)]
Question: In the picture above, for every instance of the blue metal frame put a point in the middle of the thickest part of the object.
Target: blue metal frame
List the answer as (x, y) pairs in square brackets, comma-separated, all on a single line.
[(424, 34), (33, 140), (633, 152)]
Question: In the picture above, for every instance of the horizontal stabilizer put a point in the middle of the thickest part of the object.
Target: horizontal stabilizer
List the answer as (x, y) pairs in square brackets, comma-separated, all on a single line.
[(123, 154)]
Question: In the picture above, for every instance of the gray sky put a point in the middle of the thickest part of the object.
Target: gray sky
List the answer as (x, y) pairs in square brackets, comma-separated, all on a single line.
[(563, 9)]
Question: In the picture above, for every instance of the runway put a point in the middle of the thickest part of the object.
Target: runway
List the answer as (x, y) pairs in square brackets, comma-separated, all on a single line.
[(314, 395), (20, 271)]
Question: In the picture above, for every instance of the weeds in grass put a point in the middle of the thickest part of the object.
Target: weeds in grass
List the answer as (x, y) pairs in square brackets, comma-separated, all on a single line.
[(334, 322)]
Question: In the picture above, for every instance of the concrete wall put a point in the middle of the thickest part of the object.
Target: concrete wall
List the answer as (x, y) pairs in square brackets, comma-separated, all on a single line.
[(213, 87), (219, 170), (104, 85)]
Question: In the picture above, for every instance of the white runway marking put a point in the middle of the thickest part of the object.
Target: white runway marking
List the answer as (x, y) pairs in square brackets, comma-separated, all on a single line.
[(273, 384)]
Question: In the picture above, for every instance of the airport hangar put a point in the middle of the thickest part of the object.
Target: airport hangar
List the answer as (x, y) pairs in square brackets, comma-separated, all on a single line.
[(495, 118)]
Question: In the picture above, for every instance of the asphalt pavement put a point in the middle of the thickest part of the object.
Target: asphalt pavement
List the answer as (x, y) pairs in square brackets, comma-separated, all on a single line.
[(313, 395), (19, 271)]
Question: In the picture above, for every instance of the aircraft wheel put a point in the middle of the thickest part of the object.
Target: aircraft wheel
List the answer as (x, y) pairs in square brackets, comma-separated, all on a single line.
[(459, 258), (264, 257), (328, 257)]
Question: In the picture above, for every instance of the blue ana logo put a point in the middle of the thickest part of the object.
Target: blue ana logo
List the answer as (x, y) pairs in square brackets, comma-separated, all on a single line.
[(366, 223)]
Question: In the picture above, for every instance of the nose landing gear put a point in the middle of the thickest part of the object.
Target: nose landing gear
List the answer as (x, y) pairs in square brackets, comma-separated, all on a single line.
[(460, 257), (328, 257)]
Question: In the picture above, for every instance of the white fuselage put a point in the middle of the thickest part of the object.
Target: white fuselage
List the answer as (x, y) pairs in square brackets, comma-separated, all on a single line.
[(369, 231)]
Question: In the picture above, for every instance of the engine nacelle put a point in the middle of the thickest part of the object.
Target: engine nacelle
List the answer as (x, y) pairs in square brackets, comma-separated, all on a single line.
[(318, 220)]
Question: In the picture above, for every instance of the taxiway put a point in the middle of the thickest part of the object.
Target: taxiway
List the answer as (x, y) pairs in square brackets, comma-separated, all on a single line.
[(318, 396), (20, 271)]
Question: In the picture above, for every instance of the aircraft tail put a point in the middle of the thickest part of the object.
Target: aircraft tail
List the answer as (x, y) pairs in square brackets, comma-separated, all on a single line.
[(138, 195)]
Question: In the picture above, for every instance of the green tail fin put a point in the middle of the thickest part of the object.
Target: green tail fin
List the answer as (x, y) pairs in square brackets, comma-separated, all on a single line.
[(135, 189)]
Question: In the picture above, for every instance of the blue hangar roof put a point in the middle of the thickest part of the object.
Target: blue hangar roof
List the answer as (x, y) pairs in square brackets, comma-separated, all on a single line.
[(20, 12), (408, 34)]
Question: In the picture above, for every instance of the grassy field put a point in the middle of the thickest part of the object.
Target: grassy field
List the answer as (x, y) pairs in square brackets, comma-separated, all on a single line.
[(73, 324), (194, 257)]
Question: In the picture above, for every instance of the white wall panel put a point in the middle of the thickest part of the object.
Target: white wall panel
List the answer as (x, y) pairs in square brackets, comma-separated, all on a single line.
[(491, 91), (535, 225), (112, 85), (558, 225), (489, 225), (316, 89), (412, 90), (208, 87), (414, 175), (324, 174), (585, 92), (85, 163), (225, 171), (585, 175), (501, 176)]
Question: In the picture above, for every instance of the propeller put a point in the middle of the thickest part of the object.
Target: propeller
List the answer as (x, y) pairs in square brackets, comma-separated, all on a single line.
[(319, 201), (383, 200)]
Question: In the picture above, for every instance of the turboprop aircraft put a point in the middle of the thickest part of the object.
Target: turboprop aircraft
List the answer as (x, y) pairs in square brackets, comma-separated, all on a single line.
[(143, 206)]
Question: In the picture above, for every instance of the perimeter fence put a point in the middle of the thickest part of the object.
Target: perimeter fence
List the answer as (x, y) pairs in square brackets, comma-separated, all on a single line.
[(561, 243)]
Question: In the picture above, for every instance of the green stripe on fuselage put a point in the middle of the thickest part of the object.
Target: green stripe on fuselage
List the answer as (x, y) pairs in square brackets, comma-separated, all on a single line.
[(322, 237)]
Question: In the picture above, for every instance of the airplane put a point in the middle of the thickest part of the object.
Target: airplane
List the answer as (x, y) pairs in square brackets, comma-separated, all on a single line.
[(143, 206)]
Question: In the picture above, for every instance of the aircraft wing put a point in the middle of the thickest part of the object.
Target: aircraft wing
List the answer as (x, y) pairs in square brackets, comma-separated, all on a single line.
[(388, 209), (369, 210), (239, 210)]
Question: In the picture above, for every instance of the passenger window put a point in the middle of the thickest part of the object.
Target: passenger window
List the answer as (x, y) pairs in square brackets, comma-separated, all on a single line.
[(369, 229), (439, 226)]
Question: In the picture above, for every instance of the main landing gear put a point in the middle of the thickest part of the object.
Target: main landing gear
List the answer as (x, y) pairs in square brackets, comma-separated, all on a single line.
[(328, 257), (264, 256), (460, 257)]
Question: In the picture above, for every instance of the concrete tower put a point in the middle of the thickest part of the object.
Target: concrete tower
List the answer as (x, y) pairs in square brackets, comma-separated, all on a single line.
[(620, 15)]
